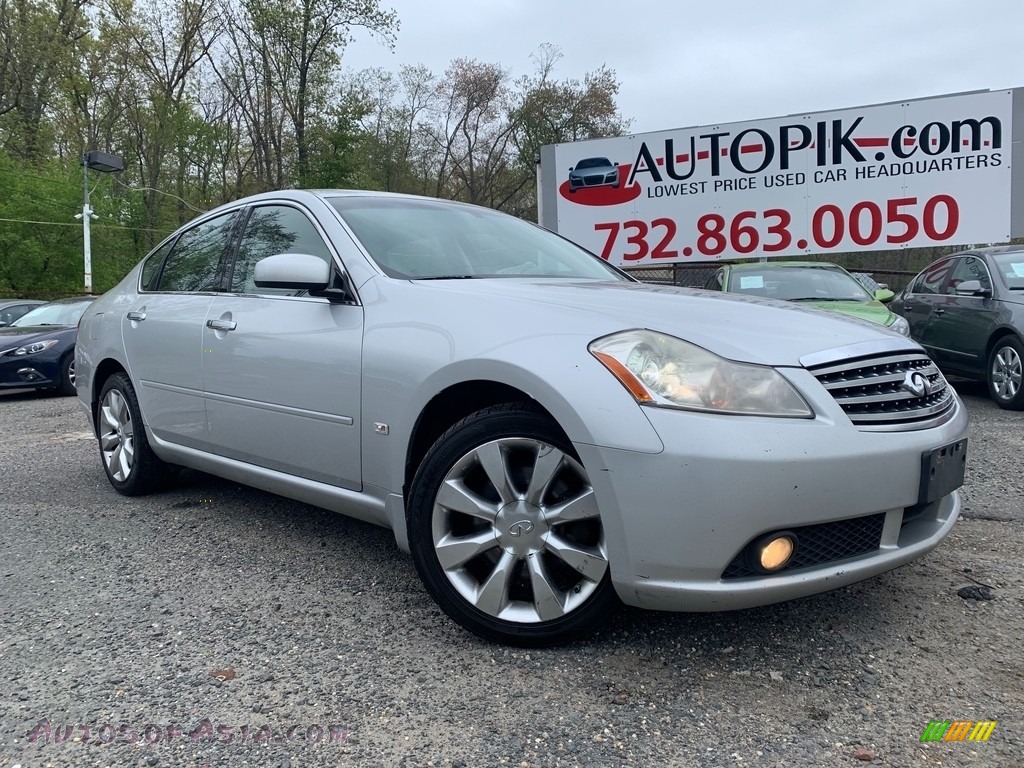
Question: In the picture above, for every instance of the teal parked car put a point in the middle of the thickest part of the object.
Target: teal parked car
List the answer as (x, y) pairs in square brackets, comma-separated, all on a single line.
[(814, 283)]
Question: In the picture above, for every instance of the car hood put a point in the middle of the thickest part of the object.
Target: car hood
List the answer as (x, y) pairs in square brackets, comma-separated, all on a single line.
[(874, 311), (12, 338), (741, 328)]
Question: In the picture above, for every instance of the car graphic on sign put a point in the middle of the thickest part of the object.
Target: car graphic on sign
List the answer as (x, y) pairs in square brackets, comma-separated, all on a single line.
[(594, 172)]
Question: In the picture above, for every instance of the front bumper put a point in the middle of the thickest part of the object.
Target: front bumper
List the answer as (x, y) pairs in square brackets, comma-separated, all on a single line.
[(29, 371), (675, 521)]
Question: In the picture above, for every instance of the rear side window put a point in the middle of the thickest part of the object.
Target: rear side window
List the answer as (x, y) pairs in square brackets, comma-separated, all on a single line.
[(930, 281), (270, 230), (194, 263)]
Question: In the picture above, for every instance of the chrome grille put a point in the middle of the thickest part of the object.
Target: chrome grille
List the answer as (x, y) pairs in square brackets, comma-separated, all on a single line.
[(894, 391)]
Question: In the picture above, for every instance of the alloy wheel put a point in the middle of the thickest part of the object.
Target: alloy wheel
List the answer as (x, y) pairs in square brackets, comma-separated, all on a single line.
[(117, 435), (517, 533), (1006, 373)]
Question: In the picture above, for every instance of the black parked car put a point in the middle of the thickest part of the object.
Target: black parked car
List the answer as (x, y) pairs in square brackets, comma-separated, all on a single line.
[(967, 310), (37, 350)]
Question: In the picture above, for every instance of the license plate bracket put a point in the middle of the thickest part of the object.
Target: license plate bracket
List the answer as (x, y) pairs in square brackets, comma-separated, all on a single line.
[(942, 471)]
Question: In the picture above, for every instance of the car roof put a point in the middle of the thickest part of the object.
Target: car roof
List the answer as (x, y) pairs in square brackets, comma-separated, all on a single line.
[(12, 302), (990, 251), (759, 265)]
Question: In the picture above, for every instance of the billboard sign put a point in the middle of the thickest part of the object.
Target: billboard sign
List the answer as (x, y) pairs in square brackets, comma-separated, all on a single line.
[(901, 175)]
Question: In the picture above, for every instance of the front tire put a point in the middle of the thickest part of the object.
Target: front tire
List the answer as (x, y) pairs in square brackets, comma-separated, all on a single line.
[(131, 466), (505, 531), (1005, 373), (66, 386)]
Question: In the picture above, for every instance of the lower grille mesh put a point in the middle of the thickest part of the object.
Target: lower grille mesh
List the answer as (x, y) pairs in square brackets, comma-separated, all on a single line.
[(820, 544)]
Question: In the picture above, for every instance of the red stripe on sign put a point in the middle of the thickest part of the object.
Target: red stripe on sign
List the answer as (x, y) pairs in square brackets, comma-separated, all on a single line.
[(703, 155), (660, 161), (908, 142), (682, 158), (725, 152), (751, 148), (871, 142)]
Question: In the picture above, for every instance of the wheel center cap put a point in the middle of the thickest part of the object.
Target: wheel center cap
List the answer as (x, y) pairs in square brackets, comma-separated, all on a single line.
[(520, 528)]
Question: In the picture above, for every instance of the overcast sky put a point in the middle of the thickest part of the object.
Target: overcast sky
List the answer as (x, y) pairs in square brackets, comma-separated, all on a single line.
[(682, 63)]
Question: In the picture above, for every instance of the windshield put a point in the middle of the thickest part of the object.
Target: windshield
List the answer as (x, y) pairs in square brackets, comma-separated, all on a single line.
[(1011, 266), (63, 313), (428, 239), (592, 162), (799, 284)]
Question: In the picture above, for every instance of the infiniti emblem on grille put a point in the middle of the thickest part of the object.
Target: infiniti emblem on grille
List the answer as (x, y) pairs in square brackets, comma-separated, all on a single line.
[(917, 384), (518, 529)]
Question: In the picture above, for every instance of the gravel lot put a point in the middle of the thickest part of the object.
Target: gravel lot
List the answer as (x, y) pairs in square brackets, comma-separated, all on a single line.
[(123, 611)]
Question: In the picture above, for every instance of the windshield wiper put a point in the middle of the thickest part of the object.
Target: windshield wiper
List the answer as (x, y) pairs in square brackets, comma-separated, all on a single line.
[(447, 277), (820, 298)]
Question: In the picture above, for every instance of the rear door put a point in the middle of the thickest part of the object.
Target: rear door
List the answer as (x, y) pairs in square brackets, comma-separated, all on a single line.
[(281, 370), (163, 330), (920, 299)]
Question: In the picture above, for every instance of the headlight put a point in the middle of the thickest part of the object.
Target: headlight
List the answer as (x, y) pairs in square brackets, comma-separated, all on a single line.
[(900, 325), (666, 371), (35, 347)]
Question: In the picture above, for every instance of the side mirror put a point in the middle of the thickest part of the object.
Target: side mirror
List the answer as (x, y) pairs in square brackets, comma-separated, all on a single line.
[(884, 294), (972, 288), (298, 271)]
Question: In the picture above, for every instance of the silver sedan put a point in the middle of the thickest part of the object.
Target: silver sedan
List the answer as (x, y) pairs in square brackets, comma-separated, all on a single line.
[(545, 435)]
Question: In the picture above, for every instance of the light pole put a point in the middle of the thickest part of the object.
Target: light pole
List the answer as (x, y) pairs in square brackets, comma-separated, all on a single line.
[(104, 163)]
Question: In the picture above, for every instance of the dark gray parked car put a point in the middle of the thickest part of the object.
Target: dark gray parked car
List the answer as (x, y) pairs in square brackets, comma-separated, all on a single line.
[(12, 309), (967, 310)]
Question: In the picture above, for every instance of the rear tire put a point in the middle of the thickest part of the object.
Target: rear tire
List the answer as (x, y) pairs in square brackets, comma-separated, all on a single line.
[(1005, 373), (505, 531), (131, 466)]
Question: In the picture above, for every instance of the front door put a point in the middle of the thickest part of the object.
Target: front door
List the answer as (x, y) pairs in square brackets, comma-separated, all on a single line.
[(282, 371)]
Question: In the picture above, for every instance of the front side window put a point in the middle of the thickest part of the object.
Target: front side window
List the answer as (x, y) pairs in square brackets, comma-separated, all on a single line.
[(968, 268), (194, 263), (270, 230)]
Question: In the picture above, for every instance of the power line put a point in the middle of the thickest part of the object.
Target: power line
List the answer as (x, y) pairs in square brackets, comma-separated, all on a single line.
[(73, 224), (161, 192)]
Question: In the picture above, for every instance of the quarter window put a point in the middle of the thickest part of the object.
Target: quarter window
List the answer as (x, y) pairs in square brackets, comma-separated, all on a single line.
[(151, 269), (270, 230), (194, 263)]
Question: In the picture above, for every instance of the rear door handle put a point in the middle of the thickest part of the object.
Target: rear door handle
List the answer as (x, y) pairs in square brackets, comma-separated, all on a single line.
[(940, 311), (137, 316), (221, 325)]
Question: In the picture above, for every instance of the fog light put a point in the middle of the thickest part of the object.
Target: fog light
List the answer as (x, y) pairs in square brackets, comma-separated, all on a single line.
[(29, 374), (775, 550)]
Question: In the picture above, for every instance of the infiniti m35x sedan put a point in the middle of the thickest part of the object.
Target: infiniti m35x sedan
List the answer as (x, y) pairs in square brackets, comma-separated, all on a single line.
[(545, 435)]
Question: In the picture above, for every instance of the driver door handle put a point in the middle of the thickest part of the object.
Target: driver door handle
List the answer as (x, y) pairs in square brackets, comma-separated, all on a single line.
[(137, 316), (221, 325)]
